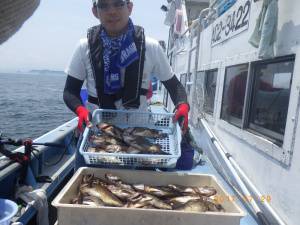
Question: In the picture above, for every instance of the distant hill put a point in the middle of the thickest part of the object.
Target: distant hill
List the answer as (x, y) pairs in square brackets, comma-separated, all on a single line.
[(46, 72)]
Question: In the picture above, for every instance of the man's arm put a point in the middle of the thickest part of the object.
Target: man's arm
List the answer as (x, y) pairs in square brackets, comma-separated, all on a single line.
[(77, 73), (72, 93), (176, 91), (179, 98), (164, 73)]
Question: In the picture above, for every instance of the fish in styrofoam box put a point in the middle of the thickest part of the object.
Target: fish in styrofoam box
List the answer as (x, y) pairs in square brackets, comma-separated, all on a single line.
[(93, 215)]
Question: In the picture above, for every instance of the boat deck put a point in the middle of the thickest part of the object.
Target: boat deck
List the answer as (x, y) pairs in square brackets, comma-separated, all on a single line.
[(57, 175), (207, 168)]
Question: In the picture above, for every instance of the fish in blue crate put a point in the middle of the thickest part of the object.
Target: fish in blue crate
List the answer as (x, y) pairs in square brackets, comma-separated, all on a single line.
[(131, 140)]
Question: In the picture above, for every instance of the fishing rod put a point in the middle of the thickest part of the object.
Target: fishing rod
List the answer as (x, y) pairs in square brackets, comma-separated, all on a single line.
[(24, 158), (20, 142), (234, 169)]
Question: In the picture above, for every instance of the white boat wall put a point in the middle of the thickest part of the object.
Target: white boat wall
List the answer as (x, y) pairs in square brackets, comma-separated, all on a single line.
[(262, 134)]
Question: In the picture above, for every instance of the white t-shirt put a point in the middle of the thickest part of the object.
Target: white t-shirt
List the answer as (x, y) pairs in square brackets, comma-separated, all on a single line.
[(156, 63)]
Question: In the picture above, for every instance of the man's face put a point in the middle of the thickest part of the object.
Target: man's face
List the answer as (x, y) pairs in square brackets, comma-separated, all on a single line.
[(113, 15)]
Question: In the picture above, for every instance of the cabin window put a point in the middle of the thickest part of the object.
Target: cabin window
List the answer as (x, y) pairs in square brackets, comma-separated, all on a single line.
[(270, 97), (234, 94), (198, 98), (210, 83)]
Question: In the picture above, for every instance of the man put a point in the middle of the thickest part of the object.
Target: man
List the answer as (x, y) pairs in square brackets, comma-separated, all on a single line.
[(116, 61)]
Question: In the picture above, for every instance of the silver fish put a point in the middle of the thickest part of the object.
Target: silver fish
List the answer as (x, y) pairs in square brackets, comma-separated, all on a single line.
[(139, 201), (92, 201), (156, 191), (131, 150), (111, 130), (157, 203), (212, 205), (142, 144), (194, 206), (206, 191), (183, 190), (115, 149), (182, 200), (100, 140), (101, 192), (121, 192), (110, 159), (118, 182), (109, 149), (145, 132), (148, 201)]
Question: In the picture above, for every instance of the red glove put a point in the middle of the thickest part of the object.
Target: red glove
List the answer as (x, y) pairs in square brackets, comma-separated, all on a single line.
[(83, 117), (182, 112), (150, 92)]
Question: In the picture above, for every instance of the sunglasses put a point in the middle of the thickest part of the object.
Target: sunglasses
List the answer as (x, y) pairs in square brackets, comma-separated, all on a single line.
[(115, 4)]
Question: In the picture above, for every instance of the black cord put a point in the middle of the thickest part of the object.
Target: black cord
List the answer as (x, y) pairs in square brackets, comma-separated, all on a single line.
[(61, 156), (34, 149), (58, 161)]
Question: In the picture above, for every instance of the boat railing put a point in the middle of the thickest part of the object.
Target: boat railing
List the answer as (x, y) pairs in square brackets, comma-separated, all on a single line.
[(196, 26)]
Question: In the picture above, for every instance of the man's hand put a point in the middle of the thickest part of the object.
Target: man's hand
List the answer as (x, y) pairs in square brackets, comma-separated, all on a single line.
[(83, 117), (181, 113)]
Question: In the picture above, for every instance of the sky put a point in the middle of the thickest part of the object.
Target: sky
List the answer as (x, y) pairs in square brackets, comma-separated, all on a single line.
[(48, 38)]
